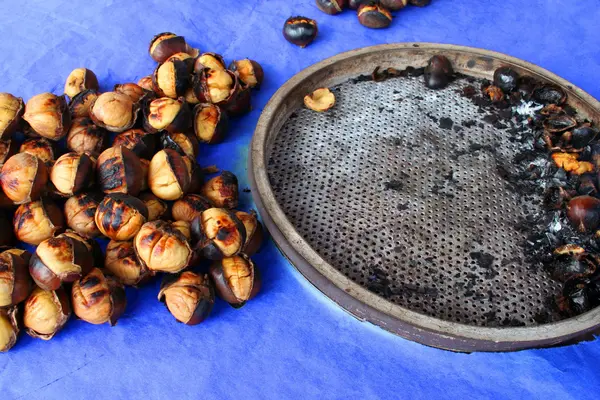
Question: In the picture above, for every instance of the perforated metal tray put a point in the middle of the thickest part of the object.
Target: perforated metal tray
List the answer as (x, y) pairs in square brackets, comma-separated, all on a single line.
[(393, 203)]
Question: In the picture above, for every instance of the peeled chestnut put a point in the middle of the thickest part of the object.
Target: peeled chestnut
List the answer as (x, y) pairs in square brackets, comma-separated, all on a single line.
[(218, 233), (171, 115), (121, 261), (97, 298), (15, 283), (209, 60), (331, 7), (419, 3), (254, 232), (584, 213), (114, 111), (374, 16), (506, 79), (9, 328), (215, 86), (494, 93), (164, 45), (394, 5), (549, 94), (146, 83), (161, 247), (157, 208), (11, 110), (8, 148), (236, 279), (119, 171), (210, 123), (132, 90), (188, 296), (184, 144), (23, 178), (80, 79), (184, 227), (170, 79), (300, 31), (37, 221), (140, 142), (222, 190), (59, 259), (80, 211), (41, 148), (438, 72), (169, 174), (72, 173), (189, 207), (190, 96), (48, 116), (120, 216), (81, 103), (320, 100), (85, 137), (46, 312)]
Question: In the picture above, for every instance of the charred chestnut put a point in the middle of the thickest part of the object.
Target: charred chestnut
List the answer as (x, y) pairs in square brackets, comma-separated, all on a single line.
[(80, 104), (131, 90), (184, 144), (80, 211), (114, 111), (48, 115), (15, 283), (146, 83), (210, 123), (300, 31), (85, 137), (438, 72), (167, 114), (254, 232), (394, 5), (549, 94), (494, 93), (575, 294), (320, 100), (98, 299), (139, 141), (46, 312), (23, 178), (120, 216), (169, 174), (188, 296), (569, 265), (119, 171), (189, 207), (582, 136), (222, 190), (11, 110), (170, 79), (249, 71), (559, 123), (236, 279), (161, 247), (584, 213), (209, 60), (8, 148), (506, 79), (331, 7), (80, 79), (121, 261), (37, 221), (164, 45), (41, 148), (72, 173), (218, 233), (374, 16), (9, 328), (157, 209)]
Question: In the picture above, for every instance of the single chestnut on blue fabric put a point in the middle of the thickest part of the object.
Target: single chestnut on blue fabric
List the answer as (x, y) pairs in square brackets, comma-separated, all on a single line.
[(300, 31)]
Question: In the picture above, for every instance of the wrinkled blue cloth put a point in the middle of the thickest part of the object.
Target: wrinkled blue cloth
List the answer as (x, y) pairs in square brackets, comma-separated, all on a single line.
[(290, 342)]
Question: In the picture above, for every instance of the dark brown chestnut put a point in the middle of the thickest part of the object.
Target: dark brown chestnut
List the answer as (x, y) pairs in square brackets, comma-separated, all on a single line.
[(300, 31), (8, 148), (438, 72), (81, 103), (254, 232), (23, 178), (210, 123), (584, 213), (331, 7), (188, 296), (90, 244), (114, 111), (7, 237), (189, 207), (164, 45), (170, 79), (559, 123), (72, 173), (120, 216), (9, 328), (37, 221), (15, 283), (169, 174), (222, 190), (549, 94), (236, 279), (249, 71), (121, 261), (134, 91), (11, 111), (41, 148), (494, 93), (506, 79), (46, 312), (119, 171), (85, 137), (240, 102), (139, 141), (582, 136), (80, 211), (374, 16), (157, 208), (48, 115), (209, 60), (218, 233), (97, 298), (394, 5), (184, 144), (167, 114), (162, 248)]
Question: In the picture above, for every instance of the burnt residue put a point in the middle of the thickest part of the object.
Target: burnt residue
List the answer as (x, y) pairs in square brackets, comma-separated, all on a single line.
[(394, 185), (446, 123)]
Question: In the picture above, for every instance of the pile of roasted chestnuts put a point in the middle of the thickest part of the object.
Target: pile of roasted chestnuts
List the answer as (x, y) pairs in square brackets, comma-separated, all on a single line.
[(121, 166)]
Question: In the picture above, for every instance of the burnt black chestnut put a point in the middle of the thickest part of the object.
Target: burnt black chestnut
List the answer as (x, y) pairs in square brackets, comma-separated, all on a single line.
[(374, 16), (438, 72), (549, 94), (300, 31), (506, 79)]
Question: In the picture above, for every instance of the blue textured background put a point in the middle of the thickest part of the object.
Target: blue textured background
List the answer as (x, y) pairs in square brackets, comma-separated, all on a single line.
[(290, 342)]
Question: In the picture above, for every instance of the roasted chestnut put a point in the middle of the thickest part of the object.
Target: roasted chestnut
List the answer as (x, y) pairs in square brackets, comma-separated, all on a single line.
[(146, 83), (210, 123), (169, 174), (85, 137), (190, 96), (559, 123), (6, 233), (582, 136), (20, 253), (216, 86), (23, 178), (188, 296), (394, 5), (584, 213), (157, 208), (494, 93), (300, 31), (72, 173), (11, 110), (222, 190), (189, 207), (354, 4), (59, 259), (80, 211), (15, 283), (419, 3), (320, 100), (167, 114), (164, 45), (236, 279), (119, 171), (120, 216), (184, 227), (81, 103), (331, 7), (249, 71), (46, 312), (571, 262), (438, 72), (114, 111), (140, 142), (549, 94), (97, 298), (90, 244), (80, 79), (209, 60), (170, 79), (254, 232), (8, 148), (374, 16), (41, 148), (506, 79), (48, 116), (132, 90), (184, 144), (37, 221), (121, 261), (218, 233), (161, 247), (9, 328), (575, 294)]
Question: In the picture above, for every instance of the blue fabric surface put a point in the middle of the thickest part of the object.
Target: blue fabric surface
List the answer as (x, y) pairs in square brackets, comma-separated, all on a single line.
[(290, 342)]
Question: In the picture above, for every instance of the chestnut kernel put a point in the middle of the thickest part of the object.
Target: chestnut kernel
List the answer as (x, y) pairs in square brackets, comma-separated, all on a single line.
[(114, 111), (9, 328), (48, 115), (190, 96), (331, 7), (210, 123), (506, 79), (222, 190), (216, 86), (249, 71), (157, 209), (15, 283), (169, 174), (140, 142), (85, 137), (570, 163), (582, 136), (98, 299), (121, 261), (320, 100), (161, 247), (584, 213), (374, 16), (8, 148), (300, 31), (218, 233), (37, 221), (72, 173), (171, 115), (236, 279), (146, 83), (79, 80), (41, 148), (119, 171), (46, 312), (120, 216), (11, 111), (189, 207), (394, 5), (170, 79), (164, 45), (184, 144), (131, 90), (81, 103), (254, 232), (209, 60), (494, 93), (80, 211), (188, 296), (23, 178)]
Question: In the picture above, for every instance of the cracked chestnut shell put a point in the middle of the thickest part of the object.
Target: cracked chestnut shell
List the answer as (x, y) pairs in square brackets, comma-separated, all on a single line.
[(249, 71), (170, 79), (133, 91), (41, 148), (119, 171), (169, 174), (85, 137), (331, 7), (494, 93), (72, 173), (254, 232), (80, 79), (167, 114), (209, 60), (161, 247), (559, 123), (15, 282), (8, 148), (120, 216), (48, 115), (184, 144), (218, 233), (185, 228), (222, 190), (187, 59), (46, 312), (37, 221), (584, 213), (236, 279), (394, 5), (157, 208), (9, 328), (215, 86), (59, 259), (11, 111), (189, 207), (145, 165), (300, 31), (188, 296), (98, 299), (80, 211), (165, 44), (23, 178), (374, 16), (121, 261), (79, 106), (549, 94), (240, 102), (139, 141), (91, 245), (6, 233), (114, 111), (146, 83), (210, 123), (438, 72), (506, 79)]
